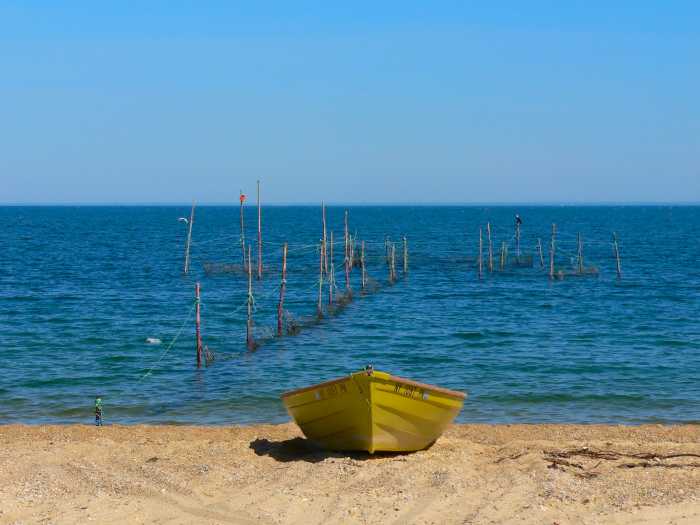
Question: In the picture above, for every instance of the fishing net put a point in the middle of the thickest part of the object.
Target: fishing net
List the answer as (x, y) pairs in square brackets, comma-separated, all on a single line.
[(217, 268), (520, 261)]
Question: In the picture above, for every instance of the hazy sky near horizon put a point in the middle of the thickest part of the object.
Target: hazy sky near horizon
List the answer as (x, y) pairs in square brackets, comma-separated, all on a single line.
[(166, 101)]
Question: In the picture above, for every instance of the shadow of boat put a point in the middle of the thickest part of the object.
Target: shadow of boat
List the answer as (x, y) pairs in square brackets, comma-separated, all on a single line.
[(300, 449)]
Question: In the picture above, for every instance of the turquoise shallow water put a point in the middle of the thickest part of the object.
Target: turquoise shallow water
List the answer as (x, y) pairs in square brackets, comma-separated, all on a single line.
[(81, 288)]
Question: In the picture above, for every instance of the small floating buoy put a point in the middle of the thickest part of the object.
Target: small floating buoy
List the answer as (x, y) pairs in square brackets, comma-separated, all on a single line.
[(153, 341)]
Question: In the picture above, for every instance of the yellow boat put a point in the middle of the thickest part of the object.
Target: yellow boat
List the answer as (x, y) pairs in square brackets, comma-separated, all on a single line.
[(373, 411)]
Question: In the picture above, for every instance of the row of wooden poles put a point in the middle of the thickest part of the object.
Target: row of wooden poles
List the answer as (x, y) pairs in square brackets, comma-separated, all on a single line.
[(552, 253), (390, 249), (326, 269)]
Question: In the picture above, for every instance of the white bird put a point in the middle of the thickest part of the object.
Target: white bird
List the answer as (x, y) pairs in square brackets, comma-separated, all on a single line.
[(183, 219)]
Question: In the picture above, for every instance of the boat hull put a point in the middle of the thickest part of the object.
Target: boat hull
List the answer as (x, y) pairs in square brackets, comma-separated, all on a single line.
[(373, 411)]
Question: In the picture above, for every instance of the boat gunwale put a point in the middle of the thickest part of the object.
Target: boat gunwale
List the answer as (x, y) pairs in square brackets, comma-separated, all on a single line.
[(398, 379), (427, 386), (313, 387)]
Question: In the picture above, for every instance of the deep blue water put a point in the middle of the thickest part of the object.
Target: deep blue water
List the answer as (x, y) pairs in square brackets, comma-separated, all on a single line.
[(81, 288)]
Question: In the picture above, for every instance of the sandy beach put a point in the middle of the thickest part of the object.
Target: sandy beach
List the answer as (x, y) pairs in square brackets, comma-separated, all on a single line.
[(543, 474)]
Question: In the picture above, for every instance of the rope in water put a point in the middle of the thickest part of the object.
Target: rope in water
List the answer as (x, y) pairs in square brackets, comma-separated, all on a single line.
[(172, 343)]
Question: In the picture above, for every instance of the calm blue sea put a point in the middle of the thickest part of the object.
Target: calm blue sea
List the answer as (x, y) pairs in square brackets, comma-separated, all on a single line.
[(81, 288)]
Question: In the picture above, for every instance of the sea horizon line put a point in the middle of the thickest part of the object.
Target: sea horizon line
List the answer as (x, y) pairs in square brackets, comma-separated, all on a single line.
[(282, 204)]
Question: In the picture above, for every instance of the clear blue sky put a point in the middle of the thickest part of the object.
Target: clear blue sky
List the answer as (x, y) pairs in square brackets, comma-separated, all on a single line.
[(530, 101)]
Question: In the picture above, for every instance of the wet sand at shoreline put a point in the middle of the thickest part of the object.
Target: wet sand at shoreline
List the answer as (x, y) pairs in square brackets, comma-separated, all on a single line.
[(531, 474)]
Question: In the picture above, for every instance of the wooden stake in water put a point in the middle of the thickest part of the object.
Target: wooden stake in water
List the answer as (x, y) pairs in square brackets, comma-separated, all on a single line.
[(319, 306), (353, 240), (346, 261), (517, 239), (188, 242), (198, 325), (325, 239), (488, 234), (241, 198), (346, 236), (347, 275), (504, 255), (579, 243), (539, 251), (388, 264), (405, 255), (249, 323), (616, 249), (260, 250), (362, 265), (552, 249), (331, 275), (481, 253), (393, 263), (283, 286)]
